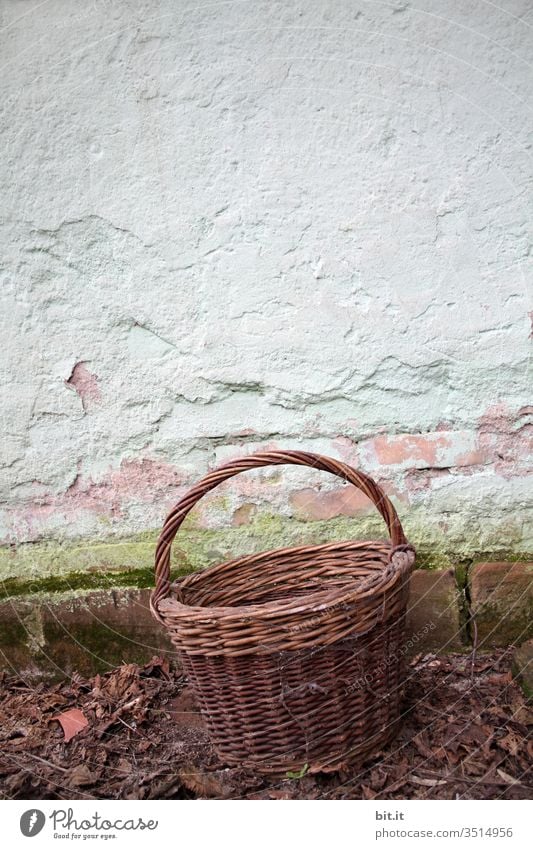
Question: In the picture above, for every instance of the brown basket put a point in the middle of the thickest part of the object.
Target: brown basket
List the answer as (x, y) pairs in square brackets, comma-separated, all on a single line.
[(295, 655)]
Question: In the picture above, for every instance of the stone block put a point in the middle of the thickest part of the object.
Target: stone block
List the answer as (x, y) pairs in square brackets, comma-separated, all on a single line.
[(94, 632), (433, 613), (501, 597)]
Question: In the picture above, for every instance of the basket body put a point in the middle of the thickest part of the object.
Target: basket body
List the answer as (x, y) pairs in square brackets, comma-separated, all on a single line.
[(296, 656)]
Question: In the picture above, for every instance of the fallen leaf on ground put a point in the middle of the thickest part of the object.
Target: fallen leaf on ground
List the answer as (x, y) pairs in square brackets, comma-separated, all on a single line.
[(428, 782), (82, 775), (419, 740), (123, 766), (157, 666), (506, 777), (72, 722), (368, 793), (148, 754), (201, 783), (511, 743)]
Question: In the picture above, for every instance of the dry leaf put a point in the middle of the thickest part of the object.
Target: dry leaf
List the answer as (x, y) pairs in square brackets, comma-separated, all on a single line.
[(72, 722), (123, 766), (524, 715), (499, 680), (506, 777), (82, 775), (511, 743), (368, 793), (157, 665), (377, 778), (427, 782), (420, 742), (201, 783)]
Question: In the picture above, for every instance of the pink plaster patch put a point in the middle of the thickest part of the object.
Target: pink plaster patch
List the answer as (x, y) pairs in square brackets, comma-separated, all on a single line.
[(243, 515), (85, 383), (347, 450), (422, 480), (346, 501), (394, 450), (135, 481), (392, 490), (507, 439)]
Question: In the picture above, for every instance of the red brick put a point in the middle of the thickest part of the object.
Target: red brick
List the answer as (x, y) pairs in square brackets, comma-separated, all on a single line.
[(316, 505)]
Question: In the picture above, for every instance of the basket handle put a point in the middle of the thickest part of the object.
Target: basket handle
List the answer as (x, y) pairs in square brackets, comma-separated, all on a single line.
[(253, 461)]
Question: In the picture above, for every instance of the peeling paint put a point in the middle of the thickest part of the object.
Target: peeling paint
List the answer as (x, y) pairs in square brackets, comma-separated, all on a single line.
[(292, 263), (85, 383)]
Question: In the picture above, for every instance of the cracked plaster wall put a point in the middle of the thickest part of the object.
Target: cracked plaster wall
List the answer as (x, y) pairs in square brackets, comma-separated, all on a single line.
[(243, 225)]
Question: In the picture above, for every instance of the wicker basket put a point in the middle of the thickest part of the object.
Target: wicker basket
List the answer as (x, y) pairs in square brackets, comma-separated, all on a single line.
[(295, 655)]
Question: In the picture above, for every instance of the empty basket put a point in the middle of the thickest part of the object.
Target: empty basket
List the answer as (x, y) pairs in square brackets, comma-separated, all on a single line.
[(295, 655)]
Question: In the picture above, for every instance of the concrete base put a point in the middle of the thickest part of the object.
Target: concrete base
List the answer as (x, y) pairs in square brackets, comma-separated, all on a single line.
[(56, 634)]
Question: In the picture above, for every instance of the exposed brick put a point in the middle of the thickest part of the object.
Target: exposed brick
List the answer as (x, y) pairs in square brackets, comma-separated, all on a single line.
[(85, 383), (316, 505), (433, 619), (442, 449), (243, 515), (502, 602)]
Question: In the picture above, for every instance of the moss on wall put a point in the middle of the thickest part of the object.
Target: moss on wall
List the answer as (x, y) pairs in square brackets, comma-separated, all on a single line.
[(56, 567)]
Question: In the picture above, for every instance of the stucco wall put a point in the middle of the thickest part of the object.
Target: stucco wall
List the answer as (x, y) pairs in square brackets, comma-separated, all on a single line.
[(233, 225)]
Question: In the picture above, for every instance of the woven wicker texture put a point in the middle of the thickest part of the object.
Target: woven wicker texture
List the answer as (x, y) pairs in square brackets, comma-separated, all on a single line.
[(295, 655)]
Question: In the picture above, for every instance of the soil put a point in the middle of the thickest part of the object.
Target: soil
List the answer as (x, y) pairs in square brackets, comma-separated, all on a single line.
[(135, 733)]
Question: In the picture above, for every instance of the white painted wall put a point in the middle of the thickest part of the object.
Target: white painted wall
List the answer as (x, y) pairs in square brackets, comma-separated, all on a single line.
[(302, 220)]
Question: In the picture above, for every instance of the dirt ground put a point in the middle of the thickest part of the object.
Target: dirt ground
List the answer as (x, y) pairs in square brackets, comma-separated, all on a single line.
[(135, 733)]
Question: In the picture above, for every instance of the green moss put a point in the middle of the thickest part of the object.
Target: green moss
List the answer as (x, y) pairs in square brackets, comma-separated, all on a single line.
[(55, 567), (139, 578), (461, 574)]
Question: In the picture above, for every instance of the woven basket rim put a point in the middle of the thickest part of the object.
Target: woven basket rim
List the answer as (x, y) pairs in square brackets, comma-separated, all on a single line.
[(376, 584), (205, 575)]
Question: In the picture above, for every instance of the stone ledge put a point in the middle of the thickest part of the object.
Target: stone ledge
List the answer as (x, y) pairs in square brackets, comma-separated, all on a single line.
[(56, 634)]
